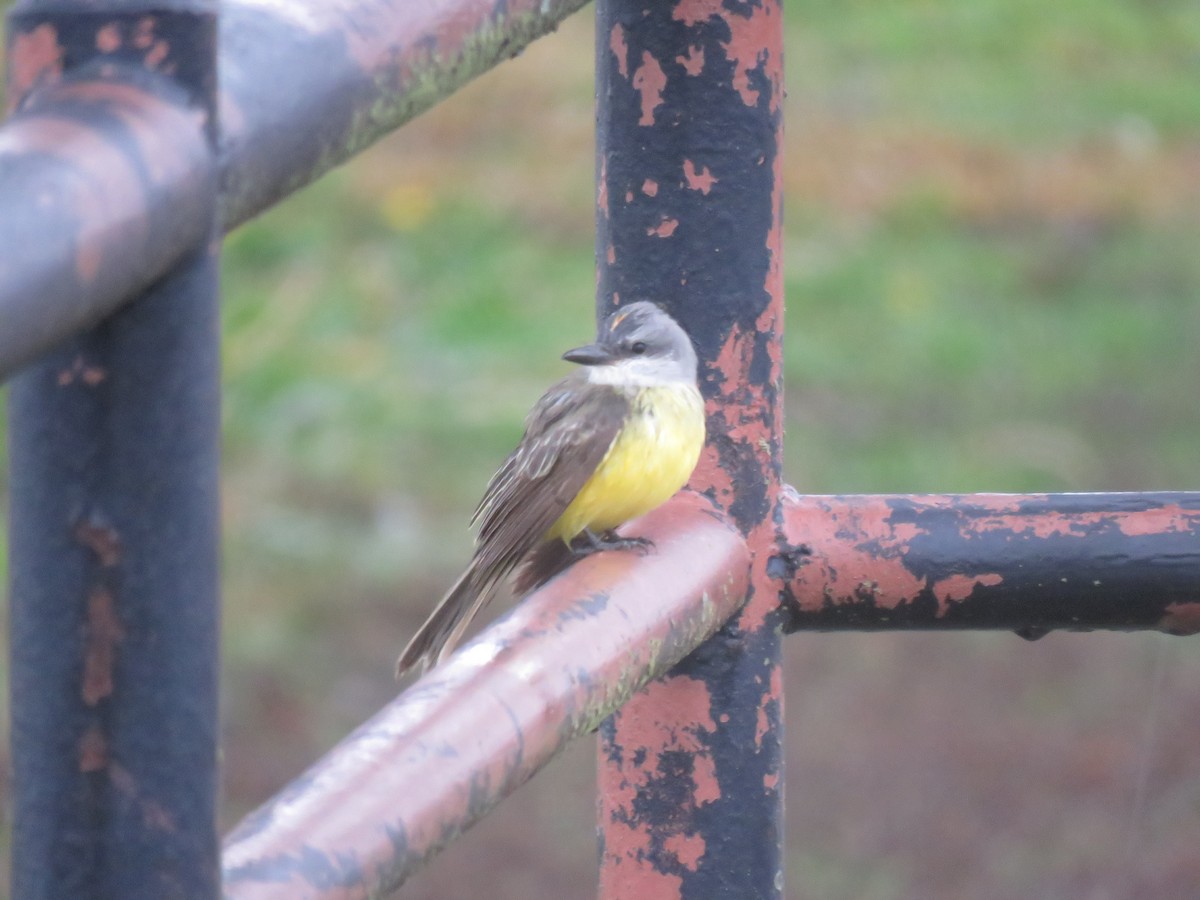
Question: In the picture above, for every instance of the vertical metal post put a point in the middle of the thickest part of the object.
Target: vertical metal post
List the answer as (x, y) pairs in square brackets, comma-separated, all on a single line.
[(689, 129), (114, 439)]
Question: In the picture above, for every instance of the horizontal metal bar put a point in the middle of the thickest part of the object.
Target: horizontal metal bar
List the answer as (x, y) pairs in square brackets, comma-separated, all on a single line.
[(305, 84), (1026, 563), (426, 767)]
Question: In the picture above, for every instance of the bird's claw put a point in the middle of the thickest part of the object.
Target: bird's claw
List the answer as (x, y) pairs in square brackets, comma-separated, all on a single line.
[(589, 542)]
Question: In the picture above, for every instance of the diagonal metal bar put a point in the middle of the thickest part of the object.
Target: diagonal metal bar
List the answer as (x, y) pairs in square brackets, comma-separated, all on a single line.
[(305, 84), (402, 786), (1026, 563)]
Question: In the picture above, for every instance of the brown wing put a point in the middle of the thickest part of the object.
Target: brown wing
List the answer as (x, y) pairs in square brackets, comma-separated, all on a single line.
[(566, 436)]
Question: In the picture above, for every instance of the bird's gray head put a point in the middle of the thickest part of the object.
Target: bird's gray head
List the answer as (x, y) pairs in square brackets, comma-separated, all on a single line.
[(638, 344)]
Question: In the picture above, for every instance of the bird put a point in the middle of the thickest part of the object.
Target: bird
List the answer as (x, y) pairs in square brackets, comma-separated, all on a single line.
[(613, 440)]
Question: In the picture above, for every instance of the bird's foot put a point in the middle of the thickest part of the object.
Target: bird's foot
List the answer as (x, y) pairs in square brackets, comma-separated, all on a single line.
[(589, 542)]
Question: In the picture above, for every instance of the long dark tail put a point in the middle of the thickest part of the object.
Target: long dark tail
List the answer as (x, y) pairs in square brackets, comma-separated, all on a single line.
[(547, 560), (441, 632)]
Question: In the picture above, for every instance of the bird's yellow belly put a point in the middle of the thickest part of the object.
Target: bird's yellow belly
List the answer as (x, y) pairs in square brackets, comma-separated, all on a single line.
[(649, 461)]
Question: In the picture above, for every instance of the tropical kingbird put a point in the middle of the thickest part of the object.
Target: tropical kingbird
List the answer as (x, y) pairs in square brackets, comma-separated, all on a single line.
[(608, 443)]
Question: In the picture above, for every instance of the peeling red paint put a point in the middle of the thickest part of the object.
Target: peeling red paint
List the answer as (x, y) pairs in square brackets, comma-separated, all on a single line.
[(686, 848), (1181, 619), (108, 38), (774, 693), (93, 750), (649, 737), (663, 229), (611, 254), (154, 814), (88, 374), (602, 189), (616, 43), (755, 40), (650, 81), (739, 467), (104, 634), (1169, 518), (959, 587), (693, 62), (164, 143), (1025, 563), (709, 474), (35, 60), (694, 12), (565, 657), (143, 32), (156, 54), (103, 541), (650, 187), (701, 181), (629, 877)]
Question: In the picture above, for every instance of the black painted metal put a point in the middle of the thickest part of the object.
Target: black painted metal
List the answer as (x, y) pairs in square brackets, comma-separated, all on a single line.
[(1026, 563), (381, 62), (114, 439), (688, 132)]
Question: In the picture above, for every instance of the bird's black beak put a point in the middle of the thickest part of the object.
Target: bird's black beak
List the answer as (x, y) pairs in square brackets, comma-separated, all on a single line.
[(589, 355)]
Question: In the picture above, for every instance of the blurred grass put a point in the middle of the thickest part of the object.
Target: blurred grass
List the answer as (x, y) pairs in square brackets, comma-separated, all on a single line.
[(992, 282)]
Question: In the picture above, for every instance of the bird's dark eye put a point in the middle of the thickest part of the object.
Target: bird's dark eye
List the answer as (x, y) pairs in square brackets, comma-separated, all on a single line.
[(637, 348)]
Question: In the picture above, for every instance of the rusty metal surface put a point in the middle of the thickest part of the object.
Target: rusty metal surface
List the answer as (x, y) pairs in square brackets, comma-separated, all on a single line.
[(114, 435), (689, 209), (103, 184), (1028, 563), (403, 785), (305, 84)]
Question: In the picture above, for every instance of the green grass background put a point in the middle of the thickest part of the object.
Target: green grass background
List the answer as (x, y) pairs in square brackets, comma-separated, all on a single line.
[(993, 284)]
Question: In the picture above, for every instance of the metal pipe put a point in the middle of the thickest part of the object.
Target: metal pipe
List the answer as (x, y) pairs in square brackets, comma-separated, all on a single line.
[(285, 120), (125, 213), (1026, 563), (422, 770), (114, 438), (689, 207), (104, 185)]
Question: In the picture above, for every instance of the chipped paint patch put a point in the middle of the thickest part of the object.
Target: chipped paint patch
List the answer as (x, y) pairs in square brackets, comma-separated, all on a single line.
[(1030, 563), (693, 61), (108, 38), (649, 80), (620, 50), (658, 758), (1181, 619), (701, 180), (960, 587), (79, 370), (35, 60), (694, 12), (663, 229), (93, 750), (602, 188), (104, 633), (686, 848), (1170, 518)]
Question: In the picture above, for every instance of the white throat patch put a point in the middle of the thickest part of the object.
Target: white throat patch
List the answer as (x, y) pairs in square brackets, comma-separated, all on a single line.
[(641, 372)]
